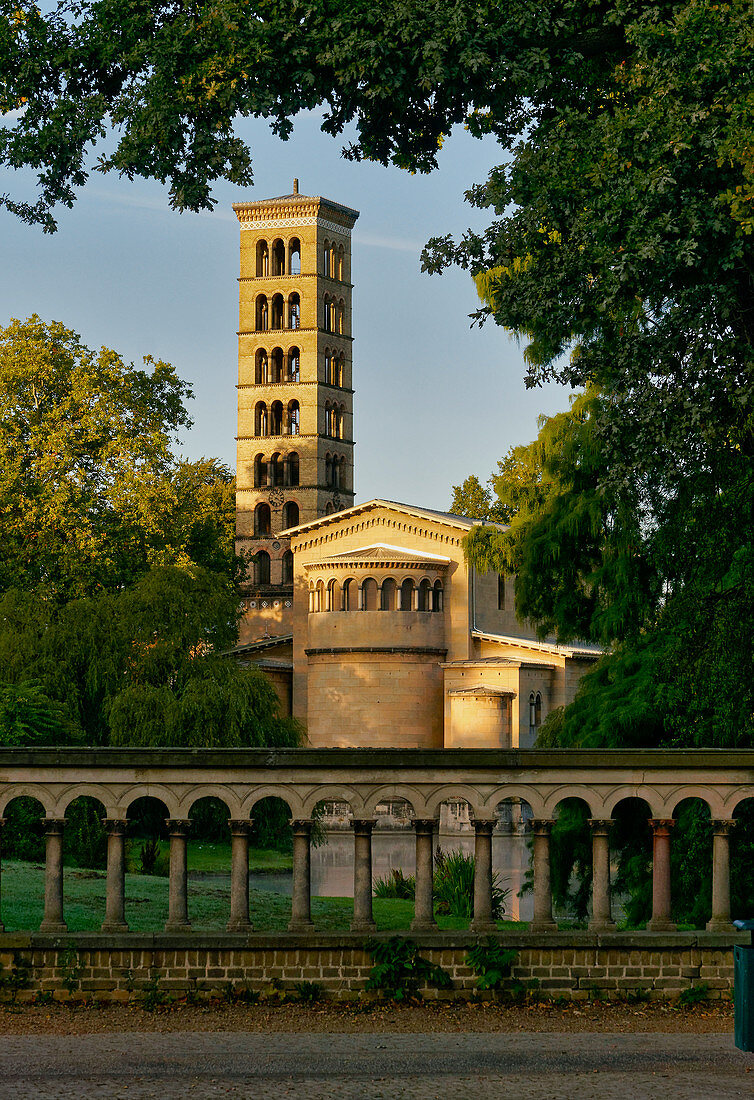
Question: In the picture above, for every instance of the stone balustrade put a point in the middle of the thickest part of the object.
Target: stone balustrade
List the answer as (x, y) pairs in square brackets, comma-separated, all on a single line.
[(365, 778)]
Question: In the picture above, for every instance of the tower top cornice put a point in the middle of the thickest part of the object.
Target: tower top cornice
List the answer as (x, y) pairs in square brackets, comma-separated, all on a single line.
[(295, 208)]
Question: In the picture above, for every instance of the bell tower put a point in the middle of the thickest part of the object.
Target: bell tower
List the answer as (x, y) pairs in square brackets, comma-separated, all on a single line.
[(295, 395)]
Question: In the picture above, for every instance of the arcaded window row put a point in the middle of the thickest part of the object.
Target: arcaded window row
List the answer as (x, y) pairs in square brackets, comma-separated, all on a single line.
[(278, 470), (276, 313), (277, 366), (277, 419), (278, 258), (371, 596), (262, 563), (263, 518)]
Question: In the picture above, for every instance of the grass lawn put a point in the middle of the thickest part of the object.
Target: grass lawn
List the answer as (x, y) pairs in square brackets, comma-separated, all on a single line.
[(147, 904), (214, 856)]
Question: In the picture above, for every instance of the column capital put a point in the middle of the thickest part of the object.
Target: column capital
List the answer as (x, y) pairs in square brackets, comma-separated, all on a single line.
[(423, 824), (54, 826), (661, 825), (115, 826), (484, 826), (600, 825), (722, 826), (362, 824), (178, 826), (301, 825), (240, 826), (541, 826)]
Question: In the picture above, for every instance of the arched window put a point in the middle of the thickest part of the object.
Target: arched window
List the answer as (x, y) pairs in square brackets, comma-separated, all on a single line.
[(336, 472), (260, 418), (328, 366), (262, 567), (319, 598), (437, 596), (311, 597), (350, 601), (288, 567), (341, 316), (278, 257), (293, 417), (262, 521), (341, 272), (276, 372), (262, 313), (333, 596), (292, 469), (278, 308), (500, 592), (260, 471), (535, 714), (369, 595), (342, 473), (407, 595), (326, 305), (338, 373), (261, 375), (328, 470), (326, 258), (294, 364), (294, 256), (387, 595), (263, 259), (329, 508), (276, 469), (294, 310), (290, 515), (276, 418), (425, 596)]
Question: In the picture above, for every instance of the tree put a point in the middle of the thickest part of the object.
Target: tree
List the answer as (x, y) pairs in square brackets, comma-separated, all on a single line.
[(472, 499), (91, 495)]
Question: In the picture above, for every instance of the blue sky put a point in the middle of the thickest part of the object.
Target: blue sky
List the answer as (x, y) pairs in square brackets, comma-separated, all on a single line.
[(435, 400)]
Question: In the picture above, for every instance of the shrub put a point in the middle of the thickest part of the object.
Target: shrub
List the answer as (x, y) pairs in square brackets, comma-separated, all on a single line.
[(399, 969), (491, 962), (395, 885), (453, 886)]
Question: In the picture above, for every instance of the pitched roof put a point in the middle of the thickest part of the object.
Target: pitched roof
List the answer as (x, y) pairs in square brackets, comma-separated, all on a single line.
[(462, 522)]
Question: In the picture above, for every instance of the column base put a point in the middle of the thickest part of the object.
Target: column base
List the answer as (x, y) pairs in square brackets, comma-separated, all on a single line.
[(363, 926), (113, 926), (301, 926), (601, 926), (483, 926), (424, 926), (239, 926), (543, 926), (662, 926), (720, 925), (53, 926), (172, 926)]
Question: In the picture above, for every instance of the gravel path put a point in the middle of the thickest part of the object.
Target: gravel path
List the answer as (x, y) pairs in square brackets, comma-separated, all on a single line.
[(414, 1066)]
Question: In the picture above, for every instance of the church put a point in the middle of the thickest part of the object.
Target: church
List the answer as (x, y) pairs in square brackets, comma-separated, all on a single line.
[(367, 618)]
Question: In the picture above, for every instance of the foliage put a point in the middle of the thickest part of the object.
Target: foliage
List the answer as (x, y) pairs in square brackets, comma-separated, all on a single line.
[(453, 885), (28, 716), (399, 969), (474, 500), (694, 995), (395, 885), (19, 976), (491, 962), (309, 992)]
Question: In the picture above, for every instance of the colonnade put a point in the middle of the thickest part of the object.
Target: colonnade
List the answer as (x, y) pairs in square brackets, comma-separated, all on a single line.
[(363, 920)]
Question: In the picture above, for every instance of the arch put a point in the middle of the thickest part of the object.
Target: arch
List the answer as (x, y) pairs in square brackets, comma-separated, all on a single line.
[(276, 418), (735, 800), (350, 595), (437, 596), (326, 258), (278, 257), (288, 567), (328, 470), (261, 368), (292, 469), (294, 416), (262, 520), (569, 793), (326, 313), (311, 598), (148, 812), (649, 795), (369, 594), (336, 469), (294, 365), (328, 366), (340, 265), (276, 469), (277, 312), (294, 310), (333, 595), (261, 567), (515, 810), (388, 595), (261, 422), (425, 595), (290, 514), (27, 790), (286, 794), (711, 798), (335, 793), (535, 715), (329, 509), (262, 313), (341, 316), (276, 368), (319, 596), (85, 790), (294, 256), (342, 472), (339, 371), (407, 595), (24, 813), (263, 259), (394, 792), (218, 796)]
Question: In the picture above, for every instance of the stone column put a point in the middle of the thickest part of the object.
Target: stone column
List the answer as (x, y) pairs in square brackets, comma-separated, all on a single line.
[(482, 920), (363, 921), (115, 896), (301, 901), (178, 919), (53, 917), (542, 893), (602, 918), (2, 822), (720, 921), (661, 921), (424, 918), (239, 875)]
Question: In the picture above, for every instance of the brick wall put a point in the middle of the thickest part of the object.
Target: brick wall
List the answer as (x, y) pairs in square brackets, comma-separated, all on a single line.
[(576, 965)]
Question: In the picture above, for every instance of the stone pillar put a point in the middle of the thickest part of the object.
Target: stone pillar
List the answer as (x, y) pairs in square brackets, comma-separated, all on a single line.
[(424, 918), (661, 921), (542, 893), (720, 921), (2, 822), (178, 919), (239, 875), (602, 918), (482, 920), (115, 896), (53, 917), (363, 921), (301, 901)]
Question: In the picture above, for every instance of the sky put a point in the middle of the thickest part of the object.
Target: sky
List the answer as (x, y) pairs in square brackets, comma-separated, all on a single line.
[(435, 399)]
